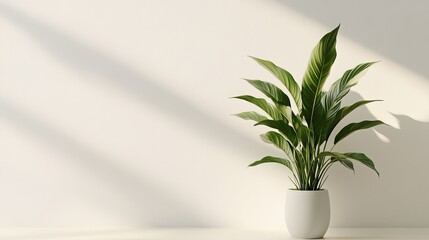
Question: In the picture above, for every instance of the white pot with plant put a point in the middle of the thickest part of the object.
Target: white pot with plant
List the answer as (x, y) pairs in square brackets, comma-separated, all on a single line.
[(302, 129)]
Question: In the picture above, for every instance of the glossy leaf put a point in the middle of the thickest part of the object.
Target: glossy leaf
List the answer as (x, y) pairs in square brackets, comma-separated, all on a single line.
[(285, 77), (251, 116), (287, 112), (270, 90), (348, 109), (331, 101), (360, 157), (279, 141), (338, 157), (345, 162), (270, 159), (344, 112), (331, 154), (319, 66), (283, 127), (297, 123), (353, 127), (263, 104)]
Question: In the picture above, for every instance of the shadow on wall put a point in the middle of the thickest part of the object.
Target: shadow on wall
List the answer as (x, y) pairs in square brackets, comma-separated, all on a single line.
[(83, 58), (143, 197), (138, 200), (399, 198), (386, 27)]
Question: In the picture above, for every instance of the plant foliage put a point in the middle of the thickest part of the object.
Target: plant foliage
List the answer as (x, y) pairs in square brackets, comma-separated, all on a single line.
[(304, 119)]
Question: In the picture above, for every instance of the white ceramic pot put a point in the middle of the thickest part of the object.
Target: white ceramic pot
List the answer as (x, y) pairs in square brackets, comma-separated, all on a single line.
[(307, 213)]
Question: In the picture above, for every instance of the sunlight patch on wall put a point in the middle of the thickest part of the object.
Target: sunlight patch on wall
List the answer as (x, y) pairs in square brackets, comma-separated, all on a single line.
[(382, 137)]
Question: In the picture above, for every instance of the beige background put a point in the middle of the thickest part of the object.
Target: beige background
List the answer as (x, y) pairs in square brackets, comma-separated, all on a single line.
[(116, 113)]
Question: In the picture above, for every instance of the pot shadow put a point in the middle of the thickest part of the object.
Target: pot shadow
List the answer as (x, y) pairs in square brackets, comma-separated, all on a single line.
[(399, 197), (348, 238)]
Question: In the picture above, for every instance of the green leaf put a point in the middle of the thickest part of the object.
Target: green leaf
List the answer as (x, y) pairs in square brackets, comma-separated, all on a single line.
[(331, 154), (287, 112), (344, 112), (331, 101), (363, 159), (270, 159), (279, 141), (340, 88), (285, 77), (264, 105), (348, 109), (283, 127), (271, 91), (360, 157), (345, 162), (319, 66), (251, 116), (352, 127), (297, 123)]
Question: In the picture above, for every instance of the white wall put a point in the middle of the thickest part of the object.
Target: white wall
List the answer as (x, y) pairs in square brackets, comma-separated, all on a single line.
[(116, 113)]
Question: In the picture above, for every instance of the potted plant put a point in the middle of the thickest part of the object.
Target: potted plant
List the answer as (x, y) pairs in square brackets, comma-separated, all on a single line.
[(303, 121)]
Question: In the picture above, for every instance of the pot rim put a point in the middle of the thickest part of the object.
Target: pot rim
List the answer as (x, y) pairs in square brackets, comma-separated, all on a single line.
[(296, 190)]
